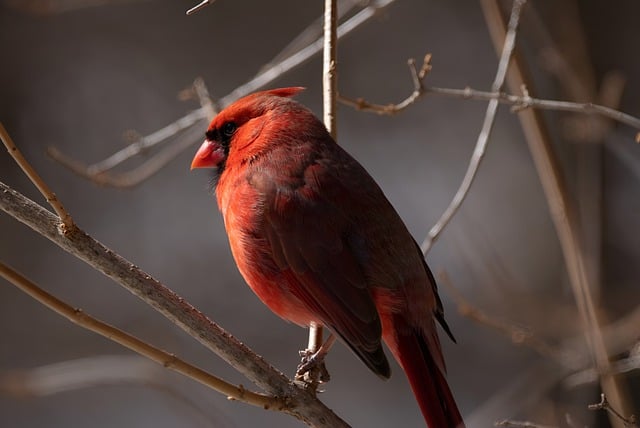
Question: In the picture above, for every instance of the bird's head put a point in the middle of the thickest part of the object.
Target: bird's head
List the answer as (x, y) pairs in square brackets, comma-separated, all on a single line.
[(237, 126)]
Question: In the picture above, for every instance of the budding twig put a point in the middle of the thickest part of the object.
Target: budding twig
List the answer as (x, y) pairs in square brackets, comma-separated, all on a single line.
[(35, 178)]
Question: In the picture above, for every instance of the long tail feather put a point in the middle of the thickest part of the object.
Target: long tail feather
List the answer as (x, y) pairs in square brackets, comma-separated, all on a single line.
[(426, 376)]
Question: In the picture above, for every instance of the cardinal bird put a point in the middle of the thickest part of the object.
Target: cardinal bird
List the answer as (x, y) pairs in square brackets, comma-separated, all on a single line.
[(317, 240)]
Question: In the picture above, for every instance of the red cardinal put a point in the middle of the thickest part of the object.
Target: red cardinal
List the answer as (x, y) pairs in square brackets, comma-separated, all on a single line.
[(316, 239)]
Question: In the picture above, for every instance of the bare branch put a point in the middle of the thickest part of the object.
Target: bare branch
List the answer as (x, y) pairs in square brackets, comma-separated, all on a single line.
[(589, 375), (100, 371), (509, 423), (517, 334), (329, 66), (329, 92), (35, 178), (99, 172), (170, 361), (135, 176), (81, 373), (560, 207), (199, 6), (390, 109), (604, 405), (517, 102), (483, 137), (301, 403)]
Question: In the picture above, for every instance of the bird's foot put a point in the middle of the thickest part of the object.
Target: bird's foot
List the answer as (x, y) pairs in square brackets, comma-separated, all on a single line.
[(312, 367)]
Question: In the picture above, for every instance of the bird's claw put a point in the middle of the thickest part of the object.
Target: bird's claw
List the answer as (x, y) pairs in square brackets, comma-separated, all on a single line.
[(312, 368)]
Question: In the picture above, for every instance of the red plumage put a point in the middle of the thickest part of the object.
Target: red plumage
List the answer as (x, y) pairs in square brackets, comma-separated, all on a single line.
[(316, 239)]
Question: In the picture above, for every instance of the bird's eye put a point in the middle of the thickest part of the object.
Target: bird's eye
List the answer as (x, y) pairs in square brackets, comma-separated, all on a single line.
[(228, 129)]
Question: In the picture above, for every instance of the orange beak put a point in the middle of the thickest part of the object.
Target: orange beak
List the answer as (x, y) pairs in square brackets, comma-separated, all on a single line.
[(209, 155)]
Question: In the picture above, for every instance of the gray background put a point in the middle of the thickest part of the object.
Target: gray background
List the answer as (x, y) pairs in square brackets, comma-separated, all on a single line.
[(78, 79)]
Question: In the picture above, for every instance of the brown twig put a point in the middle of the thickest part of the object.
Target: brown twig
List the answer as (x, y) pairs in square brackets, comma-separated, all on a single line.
[(560, 206), (35, 178), (100, 172), (330, 67), (129, 178), (589, 375), (509, 423), (517, 102), (629, 422), (329, 91), (483, 137), (417, 77), (100, 371), (301, 403), (169, 361), (517, 334)]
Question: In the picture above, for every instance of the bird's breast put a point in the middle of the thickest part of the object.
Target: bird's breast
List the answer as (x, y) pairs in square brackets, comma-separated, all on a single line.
[(242, 205)]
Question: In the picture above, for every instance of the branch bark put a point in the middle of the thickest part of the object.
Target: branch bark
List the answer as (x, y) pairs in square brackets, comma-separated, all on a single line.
[(300, 403), (170, 361)]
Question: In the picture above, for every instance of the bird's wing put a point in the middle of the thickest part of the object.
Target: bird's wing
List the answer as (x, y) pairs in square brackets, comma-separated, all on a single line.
[(316, 245)]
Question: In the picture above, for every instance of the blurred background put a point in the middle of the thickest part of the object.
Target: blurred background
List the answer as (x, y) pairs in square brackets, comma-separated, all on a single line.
[(78, 75)]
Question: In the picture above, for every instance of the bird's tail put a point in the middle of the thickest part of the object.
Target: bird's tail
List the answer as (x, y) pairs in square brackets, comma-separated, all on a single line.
[(421, 359)]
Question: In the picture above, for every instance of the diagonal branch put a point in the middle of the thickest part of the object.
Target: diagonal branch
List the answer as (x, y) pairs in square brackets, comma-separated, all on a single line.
[(562, 213), (483, 137), (101, 173), (170, 361), (35, 178), (301, 404)]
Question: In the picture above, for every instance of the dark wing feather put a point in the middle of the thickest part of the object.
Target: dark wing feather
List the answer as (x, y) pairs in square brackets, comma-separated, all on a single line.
[(311, 240)]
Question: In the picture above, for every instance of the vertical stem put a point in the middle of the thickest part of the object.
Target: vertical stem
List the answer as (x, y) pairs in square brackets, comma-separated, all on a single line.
[(329, 72), (562, 211), (329, 92)]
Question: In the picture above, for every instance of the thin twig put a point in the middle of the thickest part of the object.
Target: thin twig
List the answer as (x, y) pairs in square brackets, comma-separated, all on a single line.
[(170, 361), (82, 373), (629, 422), (329, 91), (509, 423), (518, 103), (589, 375), (100, 171), (419, 90), (200, 6), (99, 371), (561, 209), (483, 137), (330, 67), (135, 176), (35, 178), (301, 403), (304, 54), (518, 335)]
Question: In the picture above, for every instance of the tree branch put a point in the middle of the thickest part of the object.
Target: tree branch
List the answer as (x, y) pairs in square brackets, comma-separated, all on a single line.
[(483, 137), (518, 103), (170, 361), (629, 422), (560, 207), (100, 172), (300, 403), (35, 178)]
